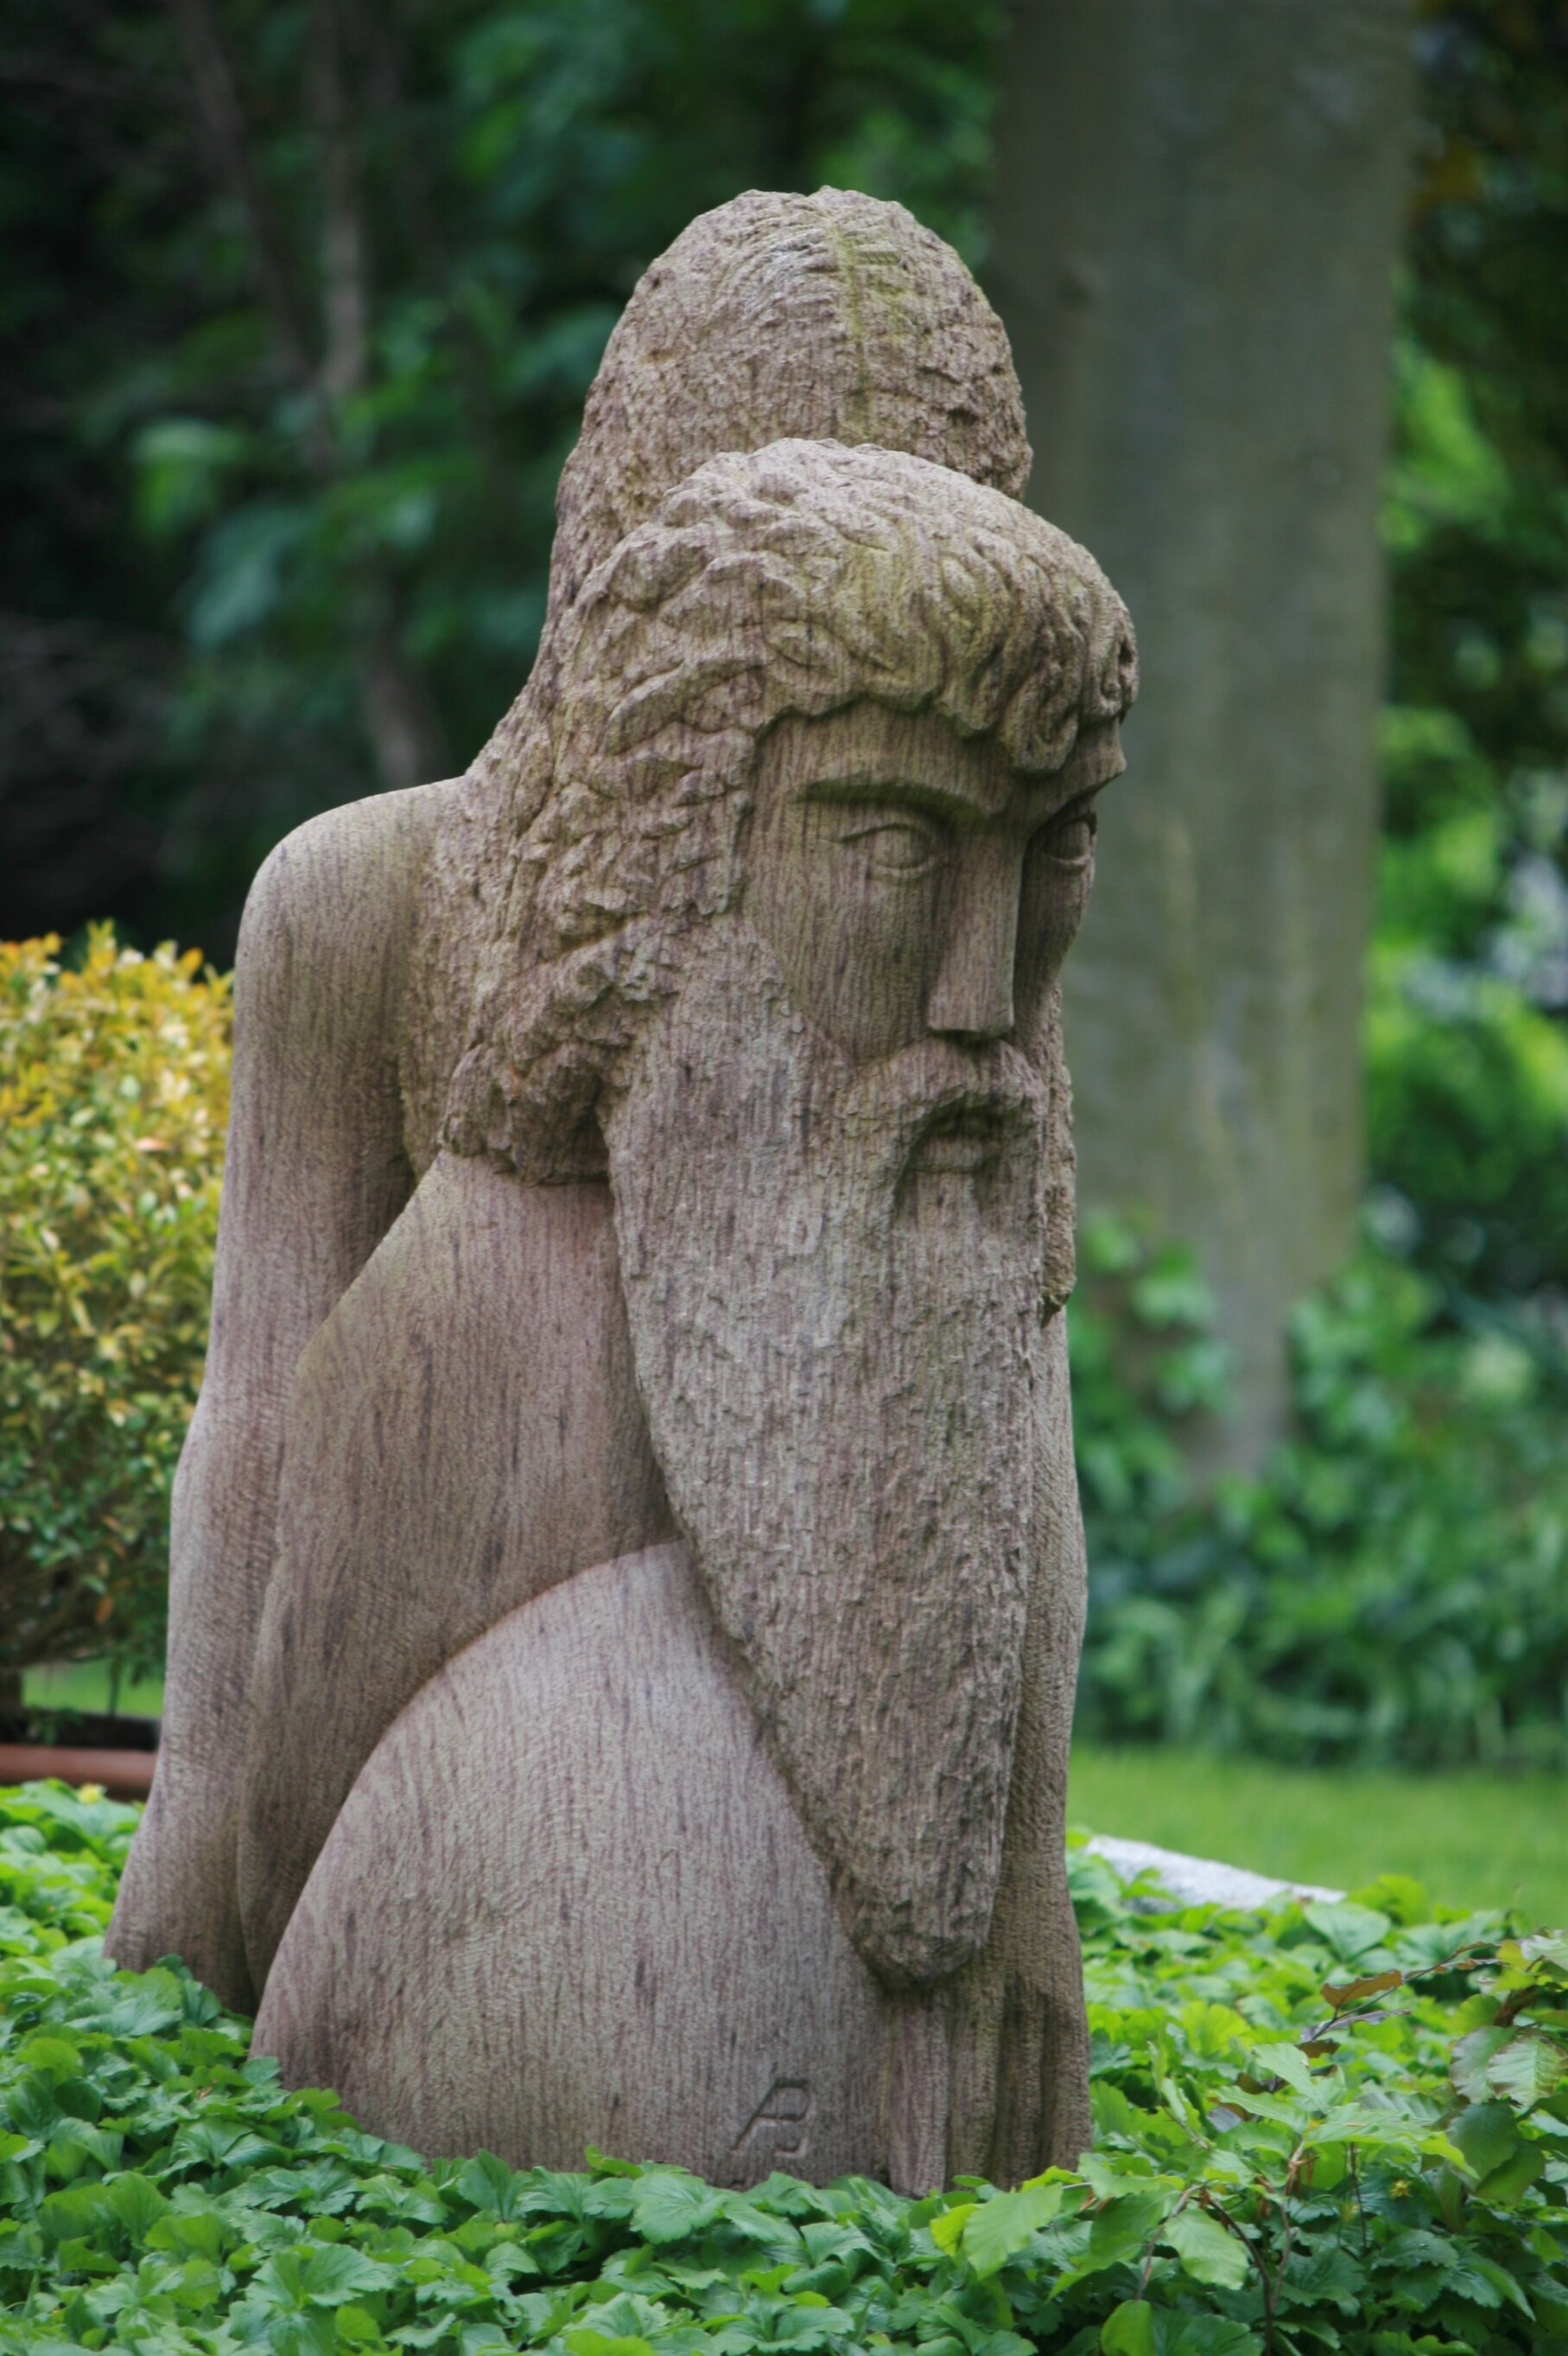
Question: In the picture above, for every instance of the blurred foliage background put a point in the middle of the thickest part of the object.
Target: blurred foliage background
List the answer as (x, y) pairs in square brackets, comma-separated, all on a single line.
[(113, 1102), (302, 304)]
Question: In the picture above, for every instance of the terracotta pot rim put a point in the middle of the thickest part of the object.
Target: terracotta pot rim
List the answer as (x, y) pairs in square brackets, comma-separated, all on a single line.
[(124, 1775)]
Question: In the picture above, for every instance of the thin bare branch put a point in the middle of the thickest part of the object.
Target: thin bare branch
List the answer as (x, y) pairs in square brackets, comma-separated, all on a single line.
[(223, 127), (345, 300)]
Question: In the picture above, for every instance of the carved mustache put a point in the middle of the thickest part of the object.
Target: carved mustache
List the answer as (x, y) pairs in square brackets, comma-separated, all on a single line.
[(938, 1107)]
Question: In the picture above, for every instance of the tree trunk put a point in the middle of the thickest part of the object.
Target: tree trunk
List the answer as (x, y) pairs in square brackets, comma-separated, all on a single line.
[(1198, 211)]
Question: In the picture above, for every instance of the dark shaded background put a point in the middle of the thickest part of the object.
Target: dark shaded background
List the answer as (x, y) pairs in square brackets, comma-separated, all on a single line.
[(308, 302), (301, 304)]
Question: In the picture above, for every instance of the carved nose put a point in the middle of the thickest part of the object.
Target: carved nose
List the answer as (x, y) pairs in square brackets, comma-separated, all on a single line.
[(972, 996)]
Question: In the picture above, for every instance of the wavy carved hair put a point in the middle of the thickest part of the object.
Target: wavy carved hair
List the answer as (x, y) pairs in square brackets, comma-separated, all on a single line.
[(794, 580)]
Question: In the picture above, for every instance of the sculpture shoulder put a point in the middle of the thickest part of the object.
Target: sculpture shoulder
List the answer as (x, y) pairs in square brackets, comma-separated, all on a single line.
[(330, 915), (358, 946), (358, 950)]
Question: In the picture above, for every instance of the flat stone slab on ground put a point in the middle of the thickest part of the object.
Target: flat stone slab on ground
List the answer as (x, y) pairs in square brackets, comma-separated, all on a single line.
[(1201, 1880)]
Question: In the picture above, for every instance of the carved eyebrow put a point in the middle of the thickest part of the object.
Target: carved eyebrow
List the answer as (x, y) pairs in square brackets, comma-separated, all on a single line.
[(859, 789), (1095, 760)]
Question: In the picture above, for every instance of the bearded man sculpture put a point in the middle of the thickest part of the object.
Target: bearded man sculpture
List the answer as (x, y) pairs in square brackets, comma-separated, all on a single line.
[(660, 1684)]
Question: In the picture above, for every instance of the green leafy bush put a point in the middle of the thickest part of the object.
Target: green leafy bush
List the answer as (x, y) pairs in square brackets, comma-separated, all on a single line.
[(1395, 1584), (1467, 1042), (1466, 1045), (113, 1101), (1342, 2127)]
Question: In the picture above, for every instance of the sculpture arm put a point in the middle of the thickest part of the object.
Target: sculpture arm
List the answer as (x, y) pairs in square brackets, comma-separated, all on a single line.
[(315, 1175), (464, 1432)]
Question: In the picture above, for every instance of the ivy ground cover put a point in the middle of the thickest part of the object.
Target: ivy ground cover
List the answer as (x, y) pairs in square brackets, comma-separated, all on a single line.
[(1336, 2127)]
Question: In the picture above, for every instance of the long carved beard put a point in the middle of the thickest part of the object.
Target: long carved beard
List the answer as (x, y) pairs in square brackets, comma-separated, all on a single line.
[(838, 1282)]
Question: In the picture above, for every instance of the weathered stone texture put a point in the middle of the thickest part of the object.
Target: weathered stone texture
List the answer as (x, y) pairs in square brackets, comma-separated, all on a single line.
[(628, 1572)]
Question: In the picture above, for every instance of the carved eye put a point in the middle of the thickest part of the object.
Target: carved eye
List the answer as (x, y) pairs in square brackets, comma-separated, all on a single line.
[(1069, 838), (901, 847)]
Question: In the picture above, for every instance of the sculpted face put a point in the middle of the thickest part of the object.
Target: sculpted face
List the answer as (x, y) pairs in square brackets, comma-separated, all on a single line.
[(830, 1170), (909, 881)]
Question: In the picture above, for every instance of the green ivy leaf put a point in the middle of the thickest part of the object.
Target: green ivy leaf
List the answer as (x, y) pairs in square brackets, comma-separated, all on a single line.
[(489, 2185), (1286, 2061), (998, 2229), (946, 2229), (319, 2276), (78, 2210), (1129, 2331), (1350, 1930), (1138, 2329), (670, 2206), (357, 2327), (137, 2203), (1487, 2137), (1467, 2064), (1526, 2069), (1121, 2231), (1207, 2252)]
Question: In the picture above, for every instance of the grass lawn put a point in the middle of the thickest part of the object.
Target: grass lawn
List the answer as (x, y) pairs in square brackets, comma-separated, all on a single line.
[(1472, 1839), (84, 1685)]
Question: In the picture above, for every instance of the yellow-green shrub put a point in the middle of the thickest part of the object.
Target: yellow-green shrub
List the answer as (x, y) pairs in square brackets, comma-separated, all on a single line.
[(113, 1102)]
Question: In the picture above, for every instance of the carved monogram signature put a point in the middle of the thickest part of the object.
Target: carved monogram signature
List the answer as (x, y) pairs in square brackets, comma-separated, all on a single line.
[(784, 2116)]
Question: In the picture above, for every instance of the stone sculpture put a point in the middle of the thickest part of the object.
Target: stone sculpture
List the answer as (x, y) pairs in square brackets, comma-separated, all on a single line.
[(655, 1602)]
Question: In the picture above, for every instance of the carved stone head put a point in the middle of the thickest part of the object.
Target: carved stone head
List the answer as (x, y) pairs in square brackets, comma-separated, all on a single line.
[(831, 318), (835, 317), (782, 954)]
